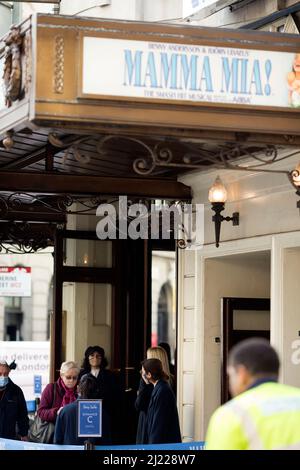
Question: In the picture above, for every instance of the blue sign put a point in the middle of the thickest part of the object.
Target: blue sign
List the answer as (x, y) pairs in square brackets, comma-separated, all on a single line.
[(89, 418), (37, 384)]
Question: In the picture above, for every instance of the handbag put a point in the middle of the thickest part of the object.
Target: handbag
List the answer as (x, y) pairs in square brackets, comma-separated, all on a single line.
[(43, 431)]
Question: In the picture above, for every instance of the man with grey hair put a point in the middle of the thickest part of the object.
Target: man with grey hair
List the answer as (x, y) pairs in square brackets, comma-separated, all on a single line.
[(14, 422)]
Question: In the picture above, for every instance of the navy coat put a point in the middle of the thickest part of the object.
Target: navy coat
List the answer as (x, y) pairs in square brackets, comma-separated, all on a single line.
[(110, 393), (66, 428), (162, 422), (141, 405), (13, 411), (109, 390)]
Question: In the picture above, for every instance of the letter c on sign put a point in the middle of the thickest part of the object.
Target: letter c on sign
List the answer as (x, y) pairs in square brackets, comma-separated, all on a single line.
[(89, 419)]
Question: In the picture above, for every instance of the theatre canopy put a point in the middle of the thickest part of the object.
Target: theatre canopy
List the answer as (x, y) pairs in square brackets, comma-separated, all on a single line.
[(149, 83)]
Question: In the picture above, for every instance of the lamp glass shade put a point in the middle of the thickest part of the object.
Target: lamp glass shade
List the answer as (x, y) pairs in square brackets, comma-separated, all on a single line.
[(296, 175), (217, 192)]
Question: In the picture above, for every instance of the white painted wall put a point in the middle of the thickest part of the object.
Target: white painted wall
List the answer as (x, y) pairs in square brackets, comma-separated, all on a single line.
[(291, 316), (285, 304), (269, 221), (266, 201), (188, 353), (241, 270), (5, 18), (162, 10), (140, 10), (28, 8), (118, 9), (227, 276), (219, 14)]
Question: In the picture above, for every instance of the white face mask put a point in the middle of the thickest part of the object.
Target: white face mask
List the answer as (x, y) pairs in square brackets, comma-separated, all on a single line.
[(3, 381)]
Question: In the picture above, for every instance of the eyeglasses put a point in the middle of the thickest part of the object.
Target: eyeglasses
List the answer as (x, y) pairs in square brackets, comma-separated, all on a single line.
[(70, 377)]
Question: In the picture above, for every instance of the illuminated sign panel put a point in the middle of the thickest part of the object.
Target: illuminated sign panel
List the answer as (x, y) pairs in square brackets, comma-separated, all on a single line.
[(187, 72)]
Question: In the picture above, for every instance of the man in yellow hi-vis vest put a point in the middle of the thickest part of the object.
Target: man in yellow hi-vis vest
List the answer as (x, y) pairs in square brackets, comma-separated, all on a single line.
[(264, 414)]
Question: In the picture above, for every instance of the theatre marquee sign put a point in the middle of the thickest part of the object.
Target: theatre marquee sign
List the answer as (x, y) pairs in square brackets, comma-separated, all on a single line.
[(107, 76), (195, 73)]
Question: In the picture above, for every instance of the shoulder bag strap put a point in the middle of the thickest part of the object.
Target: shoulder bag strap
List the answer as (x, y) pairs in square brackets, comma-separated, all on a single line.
[(54, 394)]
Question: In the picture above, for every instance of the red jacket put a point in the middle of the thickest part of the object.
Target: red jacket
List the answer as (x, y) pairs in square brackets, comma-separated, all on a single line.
[(48, 409)]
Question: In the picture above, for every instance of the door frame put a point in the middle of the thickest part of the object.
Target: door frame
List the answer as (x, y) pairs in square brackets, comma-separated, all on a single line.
[(229, 304), (161, 245), (130, 317), (71, 274), (191, 268)]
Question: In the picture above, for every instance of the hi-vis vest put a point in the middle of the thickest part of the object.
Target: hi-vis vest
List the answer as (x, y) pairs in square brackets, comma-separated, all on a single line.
[(266, 417)]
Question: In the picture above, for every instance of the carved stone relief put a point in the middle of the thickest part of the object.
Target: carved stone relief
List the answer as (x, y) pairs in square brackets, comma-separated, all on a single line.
[(12, 75)]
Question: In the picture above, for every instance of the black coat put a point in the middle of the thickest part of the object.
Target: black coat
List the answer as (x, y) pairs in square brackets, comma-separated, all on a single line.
[(141, 405), (13, 412), (109, 390), (110, 393), (162, 422)]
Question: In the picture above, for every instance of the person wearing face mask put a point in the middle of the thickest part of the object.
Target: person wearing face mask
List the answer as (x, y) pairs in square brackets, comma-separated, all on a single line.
[(14, 422)]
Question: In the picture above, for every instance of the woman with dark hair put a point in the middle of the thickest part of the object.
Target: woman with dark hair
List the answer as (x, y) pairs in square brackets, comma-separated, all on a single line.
[(95, 363), (145, 390), (162, 422), (94, 360)]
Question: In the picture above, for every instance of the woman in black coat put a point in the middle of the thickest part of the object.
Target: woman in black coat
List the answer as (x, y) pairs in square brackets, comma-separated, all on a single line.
[(162, 422), (95, 363), (145, 390), (141, 405)]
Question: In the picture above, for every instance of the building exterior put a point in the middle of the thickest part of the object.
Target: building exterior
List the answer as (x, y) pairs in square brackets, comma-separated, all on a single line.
[(26, 318), (26, 310), (257, 259)]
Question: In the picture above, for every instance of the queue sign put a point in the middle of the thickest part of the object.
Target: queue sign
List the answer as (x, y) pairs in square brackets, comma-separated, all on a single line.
[(89, 418)]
